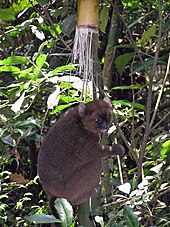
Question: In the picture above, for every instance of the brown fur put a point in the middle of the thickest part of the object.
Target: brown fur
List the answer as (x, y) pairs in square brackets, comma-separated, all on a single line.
[(69, 162)]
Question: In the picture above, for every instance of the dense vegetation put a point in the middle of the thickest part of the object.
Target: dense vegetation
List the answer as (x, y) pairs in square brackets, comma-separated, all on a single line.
[(36, 40)]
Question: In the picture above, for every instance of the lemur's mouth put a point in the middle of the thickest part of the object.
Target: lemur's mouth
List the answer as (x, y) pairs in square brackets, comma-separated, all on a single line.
[(102, 130)]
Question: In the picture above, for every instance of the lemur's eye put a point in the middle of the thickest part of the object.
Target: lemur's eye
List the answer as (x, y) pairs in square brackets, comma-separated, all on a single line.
[(96, 119)]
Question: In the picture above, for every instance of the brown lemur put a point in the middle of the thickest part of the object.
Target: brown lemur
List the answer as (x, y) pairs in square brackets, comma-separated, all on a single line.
[(69, 162)]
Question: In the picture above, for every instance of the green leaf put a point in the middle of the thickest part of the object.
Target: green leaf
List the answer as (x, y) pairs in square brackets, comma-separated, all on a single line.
[(14, 33), (147, 63), (41, 47), (14, 60), (122, 61), (43, 2), (68, 24), (166, 144), (60, 11), (132, 220), (22, 6), (12, 69), (7, 14), (166, 25), (28, 123), (149, 147), (103, 18), (137, 21), (164, 152), (165, 149), (42, 218), (3, 206), (65, 84), (122, 103), (125, 46), (57, 27), (61, 107), (146, 35), (24, 73), (139, 106), (129, 104), (137, 86), (65, 212), (62, 69), (29, 76), (41, 60), (66, 98)]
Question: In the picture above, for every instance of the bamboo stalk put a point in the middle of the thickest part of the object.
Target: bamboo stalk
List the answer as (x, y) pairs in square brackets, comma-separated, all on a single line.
[(83, 51), (85, 54), (88, 11)]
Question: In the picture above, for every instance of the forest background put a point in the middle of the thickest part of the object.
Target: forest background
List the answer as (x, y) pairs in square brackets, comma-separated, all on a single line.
[(38, 81)]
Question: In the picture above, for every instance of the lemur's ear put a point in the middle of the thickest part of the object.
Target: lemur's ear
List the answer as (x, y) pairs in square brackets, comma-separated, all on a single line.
[(81, 109), (107, 100)]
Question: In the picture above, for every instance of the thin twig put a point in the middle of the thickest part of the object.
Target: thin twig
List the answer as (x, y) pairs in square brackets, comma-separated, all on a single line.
[(119, 166), (153, 201), (133, 111), (124, 138), (161, 192), (121, 132), (160, 94), (149, 101), (159, 122)]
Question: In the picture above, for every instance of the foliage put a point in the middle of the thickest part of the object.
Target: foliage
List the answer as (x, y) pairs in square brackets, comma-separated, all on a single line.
[(65, 212), (36, 87)]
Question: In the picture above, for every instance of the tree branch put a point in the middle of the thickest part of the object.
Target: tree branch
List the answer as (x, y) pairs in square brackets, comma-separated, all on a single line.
[(53, 27), (132, 40)]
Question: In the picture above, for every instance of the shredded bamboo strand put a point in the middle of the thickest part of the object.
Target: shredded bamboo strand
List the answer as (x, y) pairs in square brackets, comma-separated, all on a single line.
[(83, 54)]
